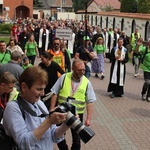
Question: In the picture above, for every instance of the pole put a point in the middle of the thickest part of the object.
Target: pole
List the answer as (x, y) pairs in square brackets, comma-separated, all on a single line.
[(60, 5), (86, 31)]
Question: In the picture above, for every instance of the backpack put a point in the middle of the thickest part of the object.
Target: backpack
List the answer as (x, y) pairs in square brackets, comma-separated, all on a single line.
[(142, 57), (7, 142)]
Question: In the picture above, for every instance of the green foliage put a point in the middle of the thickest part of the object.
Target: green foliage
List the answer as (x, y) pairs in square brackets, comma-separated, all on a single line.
[(5, 28), (144, 6), (80, 4), (36, 3), (128, 6)]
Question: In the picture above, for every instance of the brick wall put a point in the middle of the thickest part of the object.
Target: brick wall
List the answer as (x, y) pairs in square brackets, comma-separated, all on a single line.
[(24, 8)]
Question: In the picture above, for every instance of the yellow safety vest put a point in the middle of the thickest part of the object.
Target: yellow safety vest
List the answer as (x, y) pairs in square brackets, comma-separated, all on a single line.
[(134, 39), (79, 94), (13, 95)]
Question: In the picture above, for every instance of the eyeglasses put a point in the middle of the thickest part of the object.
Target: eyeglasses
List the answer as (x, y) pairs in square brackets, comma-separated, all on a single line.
[(81, 70), (56, 43)]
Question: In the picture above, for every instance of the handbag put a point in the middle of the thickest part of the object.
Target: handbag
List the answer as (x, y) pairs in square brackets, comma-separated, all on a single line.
[(95, 55)]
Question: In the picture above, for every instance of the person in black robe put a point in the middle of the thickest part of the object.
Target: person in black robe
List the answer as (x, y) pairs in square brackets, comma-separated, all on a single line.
[(119, 57)]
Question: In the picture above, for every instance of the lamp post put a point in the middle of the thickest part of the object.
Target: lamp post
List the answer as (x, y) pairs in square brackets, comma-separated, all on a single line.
[(86, 31)]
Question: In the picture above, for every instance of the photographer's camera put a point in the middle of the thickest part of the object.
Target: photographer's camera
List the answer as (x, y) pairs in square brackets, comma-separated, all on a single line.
[(84, 132)]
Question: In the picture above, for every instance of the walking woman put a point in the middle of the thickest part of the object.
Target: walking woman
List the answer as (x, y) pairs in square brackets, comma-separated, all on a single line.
[(31, 49), (136, 55), (98, 63)]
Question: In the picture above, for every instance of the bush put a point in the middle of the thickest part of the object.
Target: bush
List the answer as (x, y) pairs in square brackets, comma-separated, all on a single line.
[(5, 28), (144, 6)]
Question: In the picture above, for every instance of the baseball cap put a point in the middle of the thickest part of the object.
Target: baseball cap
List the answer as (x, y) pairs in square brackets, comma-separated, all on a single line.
[(86, 38)]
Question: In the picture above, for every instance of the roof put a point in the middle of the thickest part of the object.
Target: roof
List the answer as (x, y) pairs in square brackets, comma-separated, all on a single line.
[(57, 3), (114, 3), (128, 15)]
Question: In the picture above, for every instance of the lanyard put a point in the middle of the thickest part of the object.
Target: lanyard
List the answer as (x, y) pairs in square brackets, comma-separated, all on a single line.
[(74, 86), (3, 101)]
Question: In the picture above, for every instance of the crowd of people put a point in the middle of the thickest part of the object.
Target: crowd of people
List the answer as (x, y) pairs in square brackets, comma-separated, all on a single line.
[(57, 79)]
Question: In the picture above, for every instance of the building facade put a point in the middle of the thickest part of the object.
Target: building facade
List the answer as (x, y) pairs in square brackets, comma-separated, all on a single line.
[(18, 9), (25, 8), (127, 22)]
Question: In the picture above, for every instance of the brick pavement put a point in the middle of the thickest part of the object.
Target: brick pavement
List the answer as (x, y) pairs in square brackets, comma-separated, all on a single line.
[(119, 123)]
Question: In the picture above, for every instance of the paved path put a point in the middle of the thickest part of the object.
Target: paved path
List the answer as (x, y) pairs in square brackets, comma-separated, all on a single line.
[(119, 123)]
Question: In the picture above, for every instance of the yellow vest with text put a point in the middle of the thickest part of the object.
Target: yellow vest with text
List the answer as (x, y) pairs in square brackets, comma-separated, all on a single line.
[(79, 95)]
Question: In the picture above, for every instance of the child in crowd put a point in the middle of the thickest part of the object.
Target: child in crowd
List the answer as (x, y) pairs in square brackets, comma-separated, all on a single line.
[(26, 63)]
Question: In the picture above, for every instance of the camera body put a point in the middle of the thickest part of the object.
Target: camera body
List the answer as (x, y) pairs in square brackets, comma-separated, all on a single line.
[(84, 132)]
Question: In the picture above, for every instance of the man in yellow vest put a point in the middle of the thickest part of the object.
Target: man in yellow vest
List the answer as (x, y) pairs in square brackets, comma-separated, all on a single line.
[(7, 90), (76, 88), (134, 38)]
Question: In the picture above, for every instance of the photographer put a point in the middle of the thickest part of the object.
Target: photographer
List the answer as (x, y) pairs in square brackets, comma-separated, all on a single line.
[(28, 131), (75, 88)]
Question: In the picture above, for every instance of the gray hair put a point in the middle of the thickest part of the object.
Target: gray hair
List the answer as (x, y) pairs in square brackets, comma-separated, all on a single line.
[(15, 55)]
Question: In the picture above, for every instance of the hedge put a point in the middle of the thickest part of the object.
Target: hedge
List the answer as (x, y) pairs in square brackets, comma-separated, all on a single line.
[(5, 28)]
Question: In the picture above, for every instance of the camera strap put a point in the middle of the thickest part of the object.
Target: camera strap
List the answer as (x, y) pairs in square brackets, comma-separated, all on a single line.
[(26, 107)]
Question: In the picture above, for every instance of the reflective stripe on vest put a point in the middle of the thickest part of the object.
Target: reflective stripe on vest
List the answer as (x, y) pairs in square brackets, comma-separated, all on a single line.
[(79, 95)]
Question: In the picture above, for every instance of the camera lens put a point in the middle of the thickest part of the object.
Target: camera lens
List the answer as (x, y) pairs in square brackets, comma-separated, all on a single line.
[(84, 132)]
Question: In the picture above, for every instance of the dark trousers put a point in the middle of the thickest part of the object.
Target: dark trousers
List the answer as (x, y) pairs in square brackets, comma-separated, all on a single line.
[(87, 71), (146, 85), (32, 59), (76, 143), (146, 89)]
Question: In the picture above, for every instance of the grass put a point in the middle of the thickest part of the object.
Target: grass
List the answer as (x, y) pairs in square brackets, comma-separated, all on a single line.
[(6, 39)]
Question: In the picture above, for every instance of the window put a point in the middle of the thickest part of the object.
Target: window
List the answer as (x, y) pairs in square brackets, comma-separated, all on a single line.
[(147, 30), (63, 1)]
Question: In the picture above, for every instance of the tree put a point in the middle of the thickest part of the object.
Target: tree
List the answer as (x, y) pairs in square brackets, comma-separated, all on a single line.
[(128, 6), (144, 6), (36, 3), (79, 4)]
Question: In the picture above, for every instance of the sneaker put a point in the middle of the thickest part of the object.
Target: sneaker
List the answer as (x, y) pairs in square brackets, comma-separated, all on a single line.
[(148, 99), (112, 95), (144, 97), (135, 75), (102, 77), (96, 75), (138, 74)]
